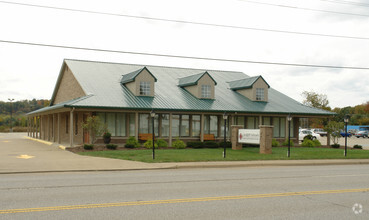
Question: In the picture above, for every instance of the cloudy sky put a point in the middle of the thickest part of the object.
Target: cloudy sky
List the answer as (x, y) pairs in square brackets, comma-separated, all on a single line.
[(314, 33)]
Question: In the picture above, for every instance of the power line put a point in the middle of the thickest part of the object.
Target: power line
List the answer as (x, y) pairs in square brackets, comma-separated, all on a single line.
[(191, 22), (302, 8), (347, 3), (185, 57)]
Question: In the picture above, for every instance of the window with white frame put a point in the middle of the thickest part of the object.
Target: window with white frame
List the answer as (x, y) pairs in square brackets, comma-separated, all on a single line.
[(206, 91), (259, 94), (144, 88)]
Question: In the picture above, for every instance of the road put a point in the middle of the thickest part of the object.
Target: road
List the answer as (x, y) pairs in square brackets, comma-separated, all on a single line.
[(295, 192)]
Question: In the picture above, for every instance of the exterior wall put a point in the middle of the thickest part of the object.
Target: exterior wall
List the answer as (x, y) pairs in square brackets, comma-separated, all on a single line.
[(251, 92), (195, 90), (144, 76), (69, 88)]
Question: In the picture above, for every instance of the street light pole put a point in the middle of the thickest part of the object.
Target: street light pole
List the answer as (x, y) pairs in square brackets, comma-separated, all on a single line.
[(11, 114), (152, 114), (346, 119), (225, 117), (289, 118)]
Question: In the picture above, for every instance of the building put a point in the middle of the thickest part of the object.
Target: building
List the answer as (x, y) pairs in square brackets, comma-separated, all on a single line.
[(189, 103)]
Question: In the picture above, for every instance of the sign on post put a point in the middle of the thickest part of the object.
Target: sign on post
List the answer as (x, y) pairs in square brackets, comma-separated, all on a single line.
[(249, 136)]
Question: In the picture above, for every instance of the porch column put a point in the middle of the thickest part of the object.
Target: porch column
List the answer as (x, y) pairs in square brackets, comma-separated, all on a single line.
[(41, 127), (58, 128), (170, 129), (202, 128), (54, 125), (136, 125), (71, 132), (328, 135)]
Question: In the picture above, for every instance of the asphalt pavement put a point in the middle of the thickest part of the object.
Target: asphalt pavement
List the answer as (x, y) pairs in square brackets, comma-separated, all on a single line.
[(21, 154)]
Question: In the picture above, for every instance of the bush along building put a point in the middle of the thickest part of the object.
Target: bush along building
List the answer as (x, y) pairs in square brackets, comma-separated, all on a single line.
[(188, 104)]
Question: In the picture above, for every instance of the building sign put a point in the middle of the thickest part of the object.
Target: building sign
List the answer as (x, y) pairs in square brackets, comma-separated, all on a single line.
[(249, 136)]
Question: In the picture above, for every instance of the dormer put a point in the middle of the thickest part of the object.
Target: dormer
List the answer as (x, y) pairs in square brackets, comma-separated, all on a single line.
[(201, 85), (140, 82), (254, 88)]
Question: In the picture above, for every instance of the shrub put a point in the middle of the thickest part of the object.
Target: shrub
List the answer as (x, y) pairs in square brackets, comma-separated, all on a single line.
[(285, 143), (275, 143), (308, 143), (317, 143), (228, 144), (211, 144), (356, 146), (88, 146), (132, 143), (161, 143), (148, 144), (195, 144), (178, 144), (309, 137), (111, 146), (335, 146)]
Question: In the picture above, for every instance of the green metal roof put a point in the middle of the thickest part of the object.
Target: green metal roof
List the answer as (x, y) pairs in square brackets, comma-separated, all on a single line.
[(192, 80), (130, 77), (102, 81), (245, 83)]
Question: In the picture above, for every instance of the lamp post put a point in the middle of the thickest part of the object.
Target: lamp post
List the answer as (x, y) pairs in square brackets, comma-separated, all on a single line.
[(346, 120), (225, 117), (289, 118), (152, 114), (11, 114)]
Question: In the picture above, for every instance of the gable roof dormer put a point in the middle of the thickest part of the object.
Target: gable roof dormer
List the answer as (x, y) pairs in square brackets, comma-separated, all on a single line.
[(254, 88), (140, 82), (200, 85)]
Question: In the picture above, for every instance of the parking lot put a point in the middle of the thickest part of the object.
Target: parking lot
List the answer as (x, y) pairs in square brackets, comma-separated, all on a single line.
[(351, 141)]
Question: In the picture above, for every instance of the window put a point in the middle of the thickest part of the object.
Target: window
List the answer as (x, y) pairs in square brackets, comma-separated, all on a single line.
[(240, 120), (132, 124), (259, 94), (180, 125), (145, 124), (205, 91), (121, 125), (165, 125), (196, 125), (211, 125), (144, 88), (252, 122), (279, 127), (266, 121)]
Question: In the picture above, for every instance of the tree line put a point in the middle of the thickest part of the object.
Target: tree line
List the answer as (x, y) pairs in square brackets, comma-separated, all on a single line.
[(18, 109)]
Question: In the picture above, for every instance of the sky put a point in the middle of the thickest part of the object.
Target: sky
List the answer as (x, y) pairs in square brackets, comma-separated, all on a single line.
[(242, 31)]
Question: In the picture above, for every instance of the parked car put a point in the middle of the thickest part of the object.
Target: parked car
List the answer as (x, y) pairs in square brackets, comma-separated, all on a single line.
[(305, 132), (353, 131), (320, 131), (344, 134), (362, 134)]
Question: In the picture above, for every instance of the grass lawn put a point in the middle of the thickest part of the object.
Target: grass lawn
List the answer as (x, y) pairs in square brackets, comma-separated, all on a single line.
[(193, 155)]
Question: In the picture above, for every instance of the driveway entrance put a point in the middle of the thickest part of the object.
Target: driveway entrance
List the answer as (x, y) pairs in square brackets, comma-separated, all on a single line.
[(19, 154)]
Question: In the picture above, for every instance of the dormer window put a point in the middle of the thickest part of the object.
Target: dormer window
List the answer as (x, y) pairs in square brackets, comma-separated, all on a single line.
[(254, 88), (140, 82), (201, 85), (145, 88), (259, 94), (205, 91)]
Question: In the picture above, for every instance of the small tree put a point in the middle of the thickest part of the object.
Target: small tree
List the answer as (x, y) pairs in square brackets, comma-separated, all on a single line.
[(333, 128), (94, 126)]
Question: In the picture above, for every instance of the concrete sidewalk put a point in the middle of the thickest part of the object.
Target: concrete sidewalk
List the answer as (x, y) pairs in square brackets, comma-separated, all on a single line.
[(20, 154)]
